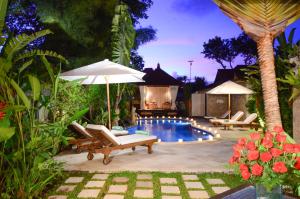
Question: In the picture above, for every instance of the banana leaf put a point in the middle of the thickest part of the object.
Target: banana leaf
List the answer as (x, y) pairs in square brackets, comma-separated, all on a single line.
[(35, 86), (6, 133), (21, 94)]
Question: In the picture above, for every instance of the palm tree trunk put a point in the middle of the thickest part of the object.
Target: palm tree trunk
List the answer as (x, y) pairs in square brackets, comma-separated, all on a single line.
[(268, 80)]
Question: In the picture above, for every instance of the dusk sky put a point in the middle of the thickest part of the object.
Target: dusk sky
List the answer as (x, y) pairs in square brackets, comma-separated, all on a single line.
[(182, 28)]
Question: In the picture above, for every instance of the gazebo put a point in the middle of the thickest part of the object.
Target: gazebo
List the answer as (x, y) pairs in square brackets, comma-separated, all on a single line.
[(158, 93)]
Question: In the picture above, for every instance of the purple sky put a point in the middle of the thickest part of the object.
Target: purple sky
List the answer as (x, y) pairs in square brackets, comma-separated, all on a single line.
[(182, 28)]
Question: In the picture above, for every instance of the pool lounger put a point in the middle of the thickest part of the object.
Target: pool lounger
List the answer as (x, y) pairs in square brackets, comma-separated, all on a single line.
[(234, 118), (108, 142), (246, 123), (225, 115)]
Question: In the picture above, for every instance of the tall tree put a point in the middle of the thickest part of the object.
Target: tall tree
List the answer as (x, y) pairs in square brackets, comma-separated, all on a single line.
[(263, 20)]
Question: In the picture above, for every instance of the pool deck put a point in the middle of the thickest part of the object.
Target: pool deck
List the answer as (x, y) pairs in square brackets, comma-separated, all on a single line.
[(208, 156)]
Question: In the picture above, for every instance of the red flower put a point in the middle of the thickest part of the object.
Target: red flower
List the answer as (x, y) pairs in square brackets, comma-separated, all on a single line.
[(244, 167), (288, 148), (267, 143), (265, 157), (280, 138), (251, 146), (255, 136), (278, 129), (2, 115), (242, 141), (257, 170), (237, 147), (236, 154), (268, 135), (297, 148), (253, 155), (246, 174), (297, 164), (276, 152), (279, 167), (232, 160)]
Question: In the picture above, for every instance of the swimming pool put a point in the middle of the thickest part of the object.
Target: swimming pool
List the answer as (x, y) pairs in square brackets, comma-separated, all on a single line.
[(170, 130)]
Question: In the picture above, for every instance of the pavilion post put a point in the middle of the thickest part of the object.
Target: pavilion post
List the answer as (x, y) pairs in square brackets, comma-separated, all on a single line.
[(108, 103), (229, 105)]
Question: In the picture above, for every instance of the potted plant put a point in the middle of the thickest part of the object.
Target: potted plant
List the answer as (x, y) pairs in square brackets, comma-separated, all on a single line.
[(266, 160)]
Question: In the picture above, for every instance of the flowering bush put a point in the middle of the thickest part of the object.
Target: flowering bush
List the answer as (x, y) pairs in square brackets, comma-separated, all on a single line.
[(2, 107), (266, 158)]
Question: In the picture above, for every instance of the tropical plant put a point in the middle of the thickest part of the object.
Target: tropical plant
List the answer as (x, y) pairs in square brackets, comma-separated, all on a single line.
[(263, 21)]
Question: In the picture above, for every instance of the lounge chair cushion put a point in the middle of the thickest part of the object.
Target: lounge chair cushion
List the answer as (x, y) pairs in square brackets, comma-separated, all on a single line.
[(236, 117), (113, 131), (81, 129), (128, 139), (247, 121), (107, 133)]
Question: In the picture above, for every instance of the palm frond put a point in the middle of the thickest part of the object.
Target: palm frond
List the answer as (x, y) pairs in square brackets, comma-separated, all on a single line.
[(47, 53), (260, 17), (19, 42), (3, 8)]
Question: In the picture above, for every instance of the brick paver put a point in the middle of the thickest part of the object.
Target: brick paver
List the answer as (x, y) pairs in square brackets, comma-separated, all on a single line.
[(143, 193), (215, 181), (218, 190), (171, 197), (144, 177), (170, 189), (117, 189), (168, 180), (73, 180), (93, 183), (113, 196), (89, 193), (66, 188), (193, 185), (145, 184), (100, 176), (120, 179), (198, 194), (58, 197), (190, 177)]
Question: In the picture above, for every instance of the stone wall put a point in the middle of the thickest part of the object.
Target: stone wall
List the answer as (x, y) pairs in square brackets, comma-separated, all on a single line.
[(296, 120)]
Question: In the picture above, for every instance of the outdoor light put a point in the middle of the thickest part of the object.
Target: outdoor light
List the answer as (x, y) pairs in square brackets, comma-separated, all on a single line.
[(200, 139), (180, 117), (218, 135), (180, 140), (159, 140), (169, 117), (157, 117), (199, 131), (209, 129), (174, 117), (187, 118), (151, 117), (163, 116), (210, 138), (216, 131), (192, 119), (204, 127), (146, 117)]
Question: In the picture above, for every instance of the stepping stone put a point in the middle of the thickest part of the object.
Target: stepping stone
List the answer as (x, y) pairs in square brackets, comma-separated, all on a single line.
[(113, 196), (120, 179), (168, 180), (144, 177), (66, 188), (89, 193), (170, 189), (146, 184), (198, 194), (218, 190), (58, 197), (72, 180), (100, 176), (117, 189), (190, 177), (171, 197), (215, 181), (193, 185), (143, 193), (97, 184)]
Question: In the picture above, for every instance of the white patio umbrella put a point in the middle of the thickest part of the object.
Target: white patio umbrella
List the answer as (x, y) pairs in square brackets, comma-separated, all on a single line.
[(104, 72), (230, 88)]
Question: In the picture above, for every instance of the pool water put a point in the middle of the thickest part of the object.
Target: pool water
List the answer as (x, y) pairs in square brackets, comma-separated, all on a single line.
[(170, 130)]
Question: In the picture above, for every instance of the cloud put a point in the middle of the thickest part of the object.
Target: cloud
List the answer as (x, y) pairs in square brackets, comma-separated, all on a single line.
[(194, 7)]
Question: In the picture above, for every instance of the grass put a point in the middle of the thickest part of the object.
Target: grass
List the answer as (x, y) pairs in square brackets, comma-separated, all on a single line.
[(229, 179)]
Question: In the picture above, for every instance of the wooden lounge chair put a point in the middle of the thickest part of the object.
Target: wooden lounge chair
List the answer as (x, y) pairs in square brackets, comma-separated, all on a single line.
[(224, 116), (246, 123), (110, 142), (236, 117), (87, 137)]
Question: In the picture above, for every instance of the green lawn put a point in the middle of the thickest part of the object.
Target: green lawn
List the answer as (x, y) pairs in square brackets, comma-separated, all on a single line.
[(230, 181)]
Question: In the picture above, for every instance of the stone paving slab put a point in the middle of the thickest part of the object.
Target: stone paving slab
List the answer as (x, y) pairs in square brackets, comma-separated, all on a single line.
[(171, 197), (66, 188), (215, 181), (190, 177), (117, 189), (58, 197), (100, 176), (143, 193), (170, 189), (97, 184), (89, 193), (113, 196), (145, 184), (218, 190), (193, 185), (198, 194), (144, 177), (120, 179), (168, 180), (73, 180)]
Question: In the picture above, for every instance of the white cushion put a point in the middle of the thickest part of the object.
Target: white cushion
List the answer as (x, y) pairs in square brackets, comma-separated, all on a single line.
[(128, 139), (81, 128), (107, 133)]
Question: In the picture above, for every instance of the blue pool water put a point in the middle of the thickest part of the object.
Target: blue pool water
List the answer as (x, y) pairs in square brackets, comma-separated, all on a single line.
[(170, 130)]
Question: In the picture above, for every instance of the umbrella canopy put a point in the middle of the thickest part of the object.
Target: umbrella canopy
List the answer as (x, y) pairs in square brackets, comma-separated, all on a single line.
[(231, 88), (104, 72)]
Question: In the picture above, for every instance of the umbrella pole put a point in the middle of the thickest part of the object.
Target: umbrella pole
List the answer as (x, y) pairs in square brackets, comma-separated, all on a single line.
[(108, 104), (229, 105)]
